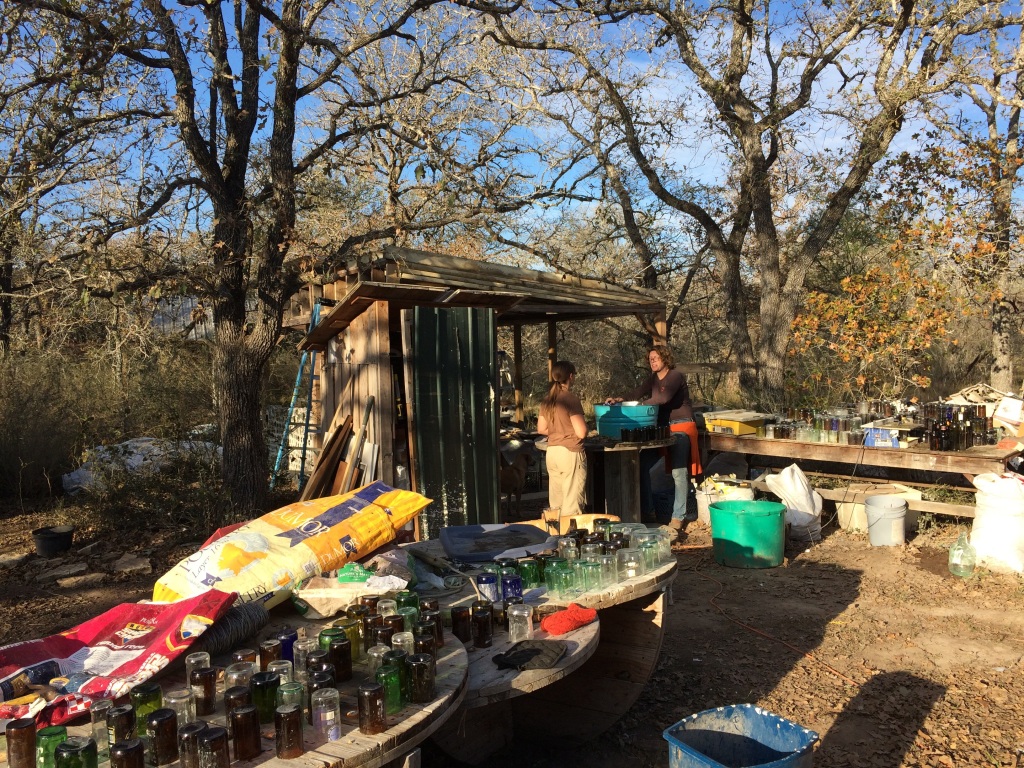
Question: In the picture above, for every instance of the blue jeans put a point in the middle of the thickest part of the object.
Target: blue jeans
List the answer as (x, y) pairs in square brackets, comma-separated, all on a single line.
[(679, 453)]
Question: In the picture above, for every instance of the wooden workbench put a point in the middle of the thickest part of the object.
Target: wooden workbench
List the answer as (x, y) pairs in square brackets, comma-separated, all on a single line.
[(613, 476), (971, 462)]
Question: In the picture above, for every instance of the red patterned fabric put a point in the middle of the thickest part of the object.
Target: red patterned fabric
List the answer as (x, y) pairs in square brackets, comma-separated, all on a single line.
[(573, 617)]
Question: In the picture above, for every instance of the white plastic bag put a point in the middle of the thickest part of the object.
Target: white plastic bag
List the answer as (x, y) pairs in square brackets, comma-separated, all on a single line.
[(803, 503), (998, 529)]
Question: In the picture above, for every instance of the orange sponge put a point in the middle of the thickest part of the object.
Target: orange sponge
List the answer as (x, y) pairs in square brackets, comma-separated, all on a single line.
[(571, 618)]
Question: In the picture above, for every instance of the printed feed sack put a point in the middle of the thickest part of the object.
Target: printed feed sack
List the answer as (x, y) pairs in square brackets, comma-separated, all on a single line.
[(266, 558)]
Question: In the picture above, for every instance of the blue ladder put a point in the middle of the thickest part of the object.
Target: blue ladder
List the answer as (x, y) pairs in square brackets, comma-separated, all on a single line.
[(305, 379)]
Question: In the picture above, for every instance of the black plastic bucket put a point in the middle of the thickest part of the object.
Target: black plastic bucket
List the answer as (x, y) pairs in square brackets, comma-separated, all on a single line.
[(53, 539)]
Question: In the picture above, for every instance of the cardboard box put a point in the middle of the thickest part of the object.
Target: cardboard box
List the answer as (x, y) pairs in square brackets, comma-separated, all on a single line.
[(1010, 415)]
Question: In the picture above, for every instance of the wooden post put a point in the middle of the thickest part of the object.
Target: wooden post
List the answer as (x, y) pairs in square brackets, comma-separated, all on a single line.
[(661, 329), (552, 346), (517, 369)]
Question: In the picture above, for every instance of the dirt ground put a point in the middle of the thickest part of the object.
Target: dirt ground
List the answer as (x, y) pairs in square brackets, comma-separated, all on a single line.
[(891, 659)]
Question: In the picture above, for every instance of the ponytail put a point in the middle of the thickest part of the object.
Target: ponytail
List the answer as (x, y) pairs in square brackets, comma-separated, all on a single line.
[(560, 374)]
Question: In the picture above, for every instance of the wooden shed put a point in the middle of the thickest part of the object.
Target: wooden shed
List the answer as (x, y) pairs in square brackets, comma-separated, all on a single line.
[(417, 332)]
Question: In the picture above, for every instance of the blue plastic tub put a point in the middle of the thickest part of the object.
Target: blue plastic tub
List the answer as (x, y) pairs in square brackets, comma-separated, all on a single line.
[(739, 736), (612, 419)]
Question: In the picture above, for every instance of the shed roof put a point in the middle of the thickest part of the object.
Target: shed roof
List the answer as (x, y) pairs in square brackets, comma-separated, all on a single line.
[(406, 278)]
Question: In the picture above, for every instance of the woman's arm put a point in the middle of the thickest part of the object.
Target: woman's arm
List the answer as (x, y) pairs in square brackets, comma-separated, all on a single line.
[(579, 425), (542, 424)]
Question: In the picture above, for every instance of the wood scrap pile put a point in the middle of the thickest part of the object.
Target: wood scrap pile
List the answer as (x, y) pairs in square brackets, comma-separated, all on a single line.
[(346, 460)]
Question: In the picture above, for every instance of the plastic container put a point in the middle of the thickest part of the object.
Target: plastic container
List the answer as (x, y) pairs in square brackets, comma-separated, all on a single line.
[(612, 419), (886, 516), (53, 540), (852, 516), (739, 736), (748, 534)]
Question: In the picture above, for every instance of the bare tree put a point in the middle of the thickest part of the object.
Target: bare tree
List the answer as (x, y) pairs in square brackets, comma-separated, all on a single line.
[(680, 90)]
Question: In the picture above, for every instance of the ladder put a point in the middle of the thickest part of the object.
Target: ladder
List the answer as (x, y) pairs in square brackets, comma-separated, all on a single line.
[(305, 381)]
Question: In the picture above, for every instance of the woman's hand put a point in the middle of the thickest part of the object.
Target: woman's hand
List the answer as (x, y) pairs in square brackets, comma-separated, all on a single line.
[(612, 400)]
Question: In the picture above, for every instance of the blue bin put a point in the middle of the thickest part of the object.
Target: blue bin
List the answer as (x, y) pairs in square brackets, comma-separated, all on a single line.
[(612, 419), (739, 736)]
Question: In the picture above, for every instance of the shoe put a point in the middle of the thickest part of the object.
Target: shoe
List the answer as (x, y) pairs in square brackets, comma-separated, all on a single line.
[(690, 517)]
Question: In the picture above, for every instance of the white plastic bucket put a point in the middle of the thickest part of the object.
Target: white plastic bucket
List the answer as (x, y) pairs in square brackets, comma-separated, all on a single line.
[(886, 517)]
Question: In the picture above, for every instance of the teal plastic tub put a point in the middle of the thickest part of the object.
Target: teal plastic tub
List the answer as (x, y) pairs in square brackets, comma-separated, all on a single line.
[(748, 534), (612, 419), (739, 736)]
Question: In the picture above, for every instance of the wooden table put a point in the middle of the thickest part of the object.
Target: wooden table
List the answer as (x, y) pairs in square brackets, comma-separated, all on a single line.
[(609, 671), (353, 749), (973, 461), (613, 476)]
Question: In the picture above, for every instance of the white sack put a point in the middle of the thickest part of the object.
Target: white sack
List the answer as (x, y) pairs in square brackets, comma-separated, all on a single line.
[(997, 532), (803, 503)]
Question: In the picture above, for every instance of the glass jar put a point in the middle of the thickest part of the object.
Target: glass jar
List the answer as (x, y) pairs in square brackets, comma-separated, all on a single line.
[(236, 696), (287, 636), (318, 681), (373, 715), (388, 677), (483, 628), (462, 626), (520, 623), (213, 748), (353, 631), (529, 571), (421, 678), (400, 659), (75, 752), (196, 660), (300, 652), (487, 586), (433, 617), (183, 702), (264, 686), (21, 742), (203, 684), (283, 669), (371, 621), (162, 725), (244, 654), (270, 650), (288, 732), (98, 726), (327, 714), (326, 635), (120, 724), (370, 602), (511, 585), (404, 641), (340, 654), (384, 635), (131, 753), (407, 598), (188, 744), (410, 616), (291, 693), (428, 604), (245, 732), (387, 607), (146, 698), (395, 621)]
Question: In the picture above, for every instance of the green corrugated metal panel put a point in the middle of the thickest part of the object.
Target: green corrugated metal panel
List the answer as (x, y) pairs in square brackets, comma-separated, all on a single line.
[(454, 367)]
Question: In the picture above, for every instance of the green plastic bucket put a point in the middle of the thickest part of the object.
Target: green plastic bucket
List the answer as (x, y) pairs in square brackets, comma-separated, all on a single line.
[(748, 534)]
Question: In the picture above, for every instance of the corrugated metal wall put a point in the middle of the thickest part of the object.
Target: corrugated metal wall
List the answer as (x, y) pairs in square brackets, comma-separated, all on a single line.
[(451, 359)]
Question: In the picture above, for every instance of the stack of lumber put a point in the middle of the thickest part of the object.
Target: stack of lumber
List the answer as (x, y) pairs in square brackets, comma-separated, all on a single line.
[(340, 467)]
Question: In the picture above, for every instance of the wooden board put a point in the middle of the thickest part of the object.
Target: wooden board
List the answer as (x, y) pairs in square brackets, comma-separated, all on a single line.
[(972, 461), (319, 482)]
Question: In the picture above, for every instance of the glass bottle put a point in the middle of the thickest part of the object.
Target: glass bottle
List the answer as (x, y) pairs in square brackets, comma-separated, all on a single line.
[(196, 660), (48, 738), (188, 744), (287, 636), (352, 628), (325, 636), (407, 598), (270, 650), (396, 621), (340, 655), (183, 702), (204, 687), (245, 730), (383, 635), (404, 641), (373, 715), (146, 698), (162, 725), (400, 659), (283, 669), (300, 651), (410, 615), (264, 687), (237, 696), (375, 659), (318, 681), (291, 693), (239, 673), (482, 627), (388, 677), (962, 557), (288, 732), (21, 743), (434, 615), (424, 643), (428, 604), (75, 752), (371, 622), (386, 607), (327, 714), (121, 723), (370, 602), (421, 678), (213, 748), (98, 724), (462, 626), (244, 654), (131, 753)]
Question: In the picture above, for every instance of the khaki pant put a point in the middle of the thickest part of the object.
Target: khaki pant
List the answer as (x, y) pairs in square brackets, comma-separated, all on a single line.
[(567, 480)]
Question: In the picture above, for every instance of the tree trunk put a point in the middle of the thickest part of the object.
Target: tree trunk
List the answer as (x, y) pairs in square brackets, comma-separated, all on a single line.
[(1001, 377), (239, 383)]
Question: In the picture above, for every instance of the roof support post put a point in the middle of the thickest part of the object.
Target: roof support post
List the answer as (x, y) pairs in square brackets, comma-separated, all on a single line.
[(517, 369), (552, 346)]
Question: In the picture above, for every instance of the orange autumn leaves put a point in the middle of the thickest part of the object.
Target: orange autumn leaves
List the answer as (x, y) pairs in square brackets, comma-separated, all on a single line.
[(873, 335)]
